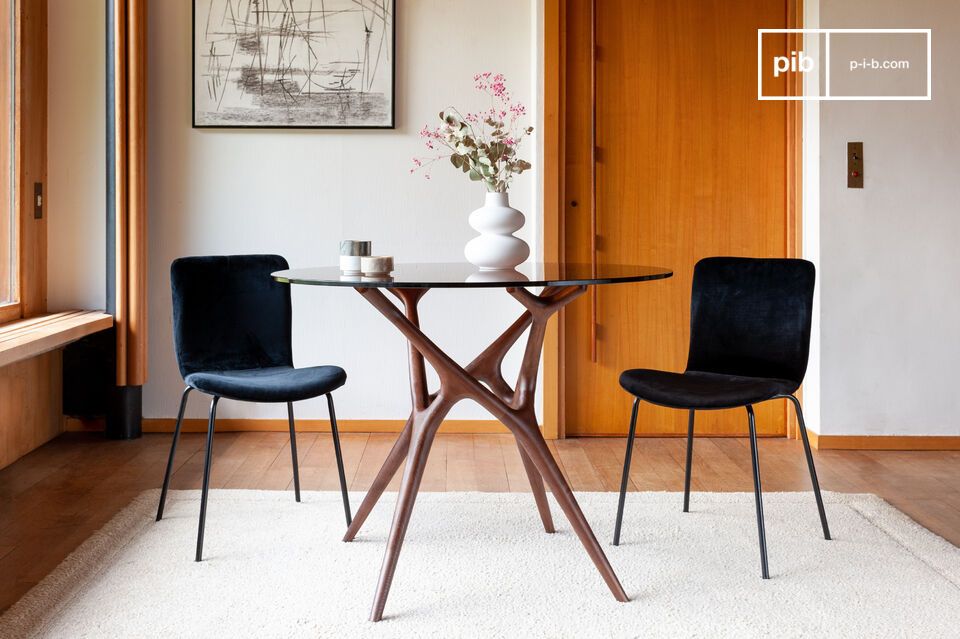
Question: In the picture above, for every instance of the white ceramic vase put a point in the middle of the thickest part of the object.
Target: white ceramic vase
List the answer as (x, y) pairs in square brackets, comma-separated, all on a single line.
[(496, 248)]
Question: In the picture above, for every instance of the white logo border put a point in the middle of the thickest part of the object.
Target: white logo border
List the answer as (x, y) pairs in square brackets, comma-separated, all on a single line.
[(826, 59)]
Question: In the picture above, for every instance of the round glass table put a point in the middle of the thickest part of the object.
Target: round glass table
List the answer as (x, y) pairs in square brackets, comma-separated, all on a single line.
[(463, 275), (481, 380)]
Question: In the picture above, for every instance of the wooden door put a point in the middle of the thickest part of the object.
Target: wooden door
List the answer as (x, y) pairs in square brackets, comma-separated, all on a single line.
[(688, 164)]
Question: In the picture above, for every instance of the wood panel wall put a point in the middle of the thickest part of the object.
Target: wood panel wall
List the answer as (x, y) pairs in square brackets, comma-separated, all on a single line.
[(31, 406), (553, 11)]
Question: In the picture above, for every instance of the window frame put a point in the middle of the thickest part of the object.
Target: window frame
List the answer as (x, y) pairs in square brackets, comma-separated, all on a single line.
[(29, 157), (11, 310)]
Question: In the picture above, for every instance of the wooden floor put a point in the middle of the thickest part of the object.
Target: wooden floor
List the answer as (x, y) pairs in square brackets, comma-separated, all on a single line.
[(53, 499)]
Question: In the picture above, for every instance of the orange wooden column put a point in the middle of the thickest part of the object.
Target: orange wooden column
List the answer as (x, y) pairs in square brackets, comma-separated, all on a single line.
[(127, 215)]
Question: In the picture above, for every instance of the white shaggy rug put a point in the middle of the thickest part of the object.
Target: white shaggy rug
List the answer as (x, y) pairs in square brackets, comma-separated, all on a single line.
[(480, 565)]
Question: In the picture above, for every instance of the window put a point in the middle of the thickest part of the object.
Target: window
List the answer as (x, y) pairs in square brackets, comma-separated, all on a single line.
[(9, 262)]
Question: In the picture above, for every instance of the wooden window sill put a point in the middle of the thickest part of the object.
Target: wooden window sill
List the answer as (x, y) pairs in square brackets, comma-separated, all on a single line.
[(26, 338), (10, 312)]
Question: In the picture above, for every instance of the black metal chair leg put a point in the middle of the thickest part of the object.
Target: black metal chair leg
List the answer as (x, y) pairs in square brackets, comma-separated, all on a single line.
[(339, 454), (810, 466), (626, 472), (206, 477), (758, 493), (686, 477), (293, 452), (173, 451)]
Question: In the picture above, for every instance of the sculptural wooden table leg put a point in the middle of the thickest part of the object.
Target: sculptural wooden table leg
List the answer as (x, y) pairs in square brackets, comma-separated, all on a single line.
[(481, 381)]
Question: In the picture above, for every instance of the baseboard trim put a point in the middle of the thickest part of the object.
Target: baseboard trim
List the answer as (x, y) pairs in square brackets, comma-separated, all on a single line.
[(674, 435), (453, 426), (884, 442), (489, 426), (195, 425)]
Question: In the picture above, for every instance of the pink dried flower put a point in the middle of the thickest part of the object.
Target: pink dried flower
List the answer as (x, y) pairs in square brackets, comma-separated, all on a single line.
[(427, 132), (474, 143), (482, 80)]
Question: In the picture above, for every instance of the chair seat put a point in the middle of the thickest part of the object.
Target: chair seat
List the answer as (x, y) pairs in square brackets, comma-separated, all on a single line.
[(275, 384), (698, 390)]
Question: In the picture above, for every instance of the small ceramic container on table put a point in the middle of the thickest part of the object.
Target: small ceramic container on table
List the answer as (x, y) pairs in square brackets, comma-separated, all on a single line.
[(376, 265), (351, 251)]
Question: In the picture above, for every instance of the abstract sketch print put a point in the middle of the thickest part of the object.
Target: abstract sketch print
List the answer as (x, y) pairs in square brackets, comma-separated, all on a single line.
[(295, 63)]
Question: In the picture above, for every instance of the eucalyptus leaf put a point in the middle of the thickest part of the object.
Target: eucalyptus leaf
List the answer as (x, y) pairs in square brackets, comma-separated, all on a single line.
[(478, 144)]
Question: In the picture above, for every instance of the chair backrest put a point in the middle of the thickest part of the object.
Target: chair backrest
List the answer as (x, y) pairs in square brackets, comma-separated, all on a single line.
[(229, 314), (751, 317)]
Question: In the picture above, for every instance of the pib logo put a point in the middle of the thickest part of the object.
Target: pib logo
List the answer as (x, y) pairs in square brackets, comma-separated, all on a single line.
[(796, 61)]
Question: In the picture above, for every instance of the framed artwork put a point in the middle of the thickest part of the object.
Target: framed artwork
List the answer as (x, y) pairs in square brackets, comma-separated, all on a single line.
[(311, 64)]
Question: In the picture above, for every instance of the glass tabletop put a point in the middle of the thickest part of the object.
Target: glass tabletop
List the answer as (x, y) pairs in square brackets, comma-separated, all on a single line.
[(464, 275)]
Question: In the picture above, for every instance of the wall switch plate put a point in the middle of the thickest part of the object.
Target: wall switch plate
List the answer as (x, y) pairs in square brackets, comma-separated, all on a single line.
[(854, 165), (38, 200)]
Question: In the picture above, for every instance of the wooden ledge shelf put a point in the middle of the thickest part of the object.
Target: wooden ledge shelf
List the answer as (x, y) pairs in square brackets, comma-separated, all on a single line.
[(34, 336)]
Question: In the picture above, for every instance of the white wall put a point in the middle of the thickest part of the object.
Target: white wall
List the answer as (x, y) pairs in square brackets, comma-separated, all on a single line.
[(76, 155), (299, 192), (888, 252), (811, 212)]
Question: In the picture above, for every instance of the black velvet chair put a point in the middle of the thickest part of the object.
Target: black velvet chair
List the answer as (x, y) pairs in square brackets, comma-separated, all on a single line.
[(232, 336), (749, 343)]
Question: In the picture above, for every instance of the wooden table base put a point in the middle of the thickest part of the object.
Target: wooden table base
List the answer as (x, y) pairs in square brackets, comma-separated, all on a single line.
[(481, 381)]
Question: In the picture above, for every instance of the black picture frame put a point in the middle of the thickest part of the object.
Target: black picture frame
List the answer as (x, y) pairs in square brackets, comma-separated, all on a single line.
[(254, 126)]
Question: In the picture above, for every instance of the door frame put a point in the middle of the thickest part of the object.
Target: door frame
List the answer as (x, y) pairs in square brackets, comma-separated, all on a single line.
[(554, 211)]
